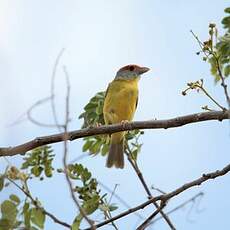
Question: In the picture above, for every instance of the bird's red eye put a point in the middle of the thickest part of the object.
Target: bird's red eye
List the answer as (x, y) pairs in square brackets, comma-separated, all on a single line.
[(131, 68)]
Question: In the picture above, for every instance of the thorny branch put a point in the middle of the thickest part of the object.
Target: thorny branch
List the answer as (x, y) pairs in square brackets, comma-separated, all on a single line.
[(151, 124), (164, 198)]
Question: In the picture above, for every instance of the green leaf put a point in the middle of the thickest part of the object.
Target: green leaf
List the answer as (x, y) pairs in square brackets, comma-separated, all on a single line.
[(27, 214), (17, 224), (227, 71), (39, 161), (86, 175), (87, 145), (5, 224), (93, 111), (1, 182), (91, 205), (104, 207), (105, 149), (90, 106), (134, 154), (227, 10), (37, 170), (112, 207), (15, 199), (38, 217), (77, 222), (48, 171), (26, 206), (9, 211), (95, 148), (99, 109)]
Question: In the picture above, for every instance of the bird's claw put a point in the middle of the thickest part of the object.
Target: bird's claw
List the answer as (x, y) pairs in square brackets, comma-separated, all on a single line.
[(123, 122)]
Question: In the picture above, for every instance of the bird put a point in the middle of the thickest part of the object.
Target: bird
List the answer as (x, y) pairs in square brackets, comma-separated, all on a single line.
[(121, 99)]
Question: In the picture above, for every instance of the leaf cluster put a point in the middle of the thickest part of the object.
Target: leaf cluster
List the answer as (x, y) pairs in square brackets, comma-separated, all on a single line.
[(216, 49), (88, 193), (16, 214), (39, 160), (93, 111)]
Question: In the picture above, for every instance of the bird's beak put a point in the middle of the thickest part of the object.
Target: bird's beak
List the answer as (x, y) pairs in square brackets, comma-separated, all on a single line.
[(143, 70)]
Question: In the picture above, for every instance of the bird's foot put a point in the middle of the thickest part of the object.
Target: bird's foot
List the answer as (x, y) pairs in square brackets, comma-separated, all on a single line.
[(123, 122), (97, 124)]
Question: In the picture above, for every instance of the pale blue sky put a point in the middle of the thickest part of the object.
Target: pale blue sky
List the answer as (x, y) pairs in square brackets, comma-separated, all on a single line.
[(100, 37)]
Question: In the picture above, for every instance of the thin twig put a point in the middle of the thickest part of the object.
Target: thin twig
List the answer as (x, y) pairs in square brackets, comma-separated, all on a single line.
[(211, 98), (108, 215), (84, 215), (170, 195), (211, 52), (119, 199), (28, 115), (112, 193), (28, 194), (146, 222), (108, 212), (158, 189), (36, 122), (53, 87), (151, 124), (223, 84), (141, 178), (193, 199), (200, 44)]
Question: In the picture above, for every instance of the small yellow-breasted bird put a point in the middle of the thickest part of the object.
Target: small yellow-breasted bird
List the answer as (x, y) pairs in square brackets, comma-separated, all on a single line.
[(119, 106)]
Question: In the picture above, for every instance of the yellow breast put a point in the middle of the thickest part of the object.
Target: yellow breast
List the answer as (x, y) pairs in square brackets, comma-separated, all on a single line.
[(120, 101)]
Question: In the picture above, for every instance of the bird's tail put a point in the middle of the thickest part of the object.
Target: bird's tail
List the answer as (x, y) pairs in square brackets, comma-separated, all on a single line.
[(116, 151)]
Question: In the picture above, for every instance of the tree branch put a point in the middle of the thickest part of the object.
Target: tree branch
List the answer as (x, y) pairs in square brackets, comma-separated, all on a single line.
[(182, 205), (151, 124), (223, 84), (54, 218), (146, 222), (69, 182), (167, 196), (142, 180)]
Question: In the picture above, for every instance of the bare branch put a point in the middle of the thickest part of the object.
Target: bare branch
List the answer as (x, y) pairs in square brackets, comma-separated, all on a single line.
[(81, 210), (166, 197), (36, 122), (119, 199), (193, 199), (52, 88), (151, 124), (223, 84), (146, 222), (142, 180)]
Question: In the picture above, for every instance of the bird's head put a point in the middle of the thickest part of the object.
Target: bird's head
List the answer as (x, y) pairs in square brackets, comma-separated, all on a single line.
[(130, 72)]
